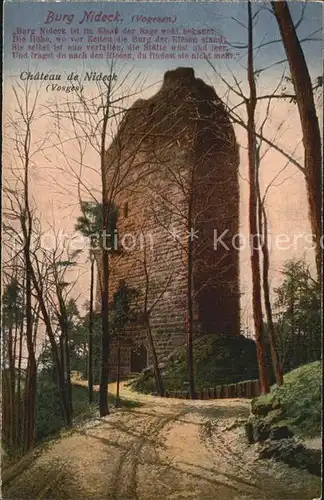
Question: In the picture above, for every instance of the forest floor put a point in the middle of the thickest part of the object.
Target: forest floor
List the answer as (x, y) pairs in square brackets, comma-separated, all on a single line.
[(161, 449)]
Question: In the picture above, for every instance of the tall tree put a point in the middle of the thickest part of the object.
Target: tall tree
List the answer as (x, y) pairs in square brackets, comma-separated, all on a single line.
[(46, 293), (22, 123), (253, 215), (147, 311), (271, 333), (264, 237), (308, 118), (90, 225), (12, 316)]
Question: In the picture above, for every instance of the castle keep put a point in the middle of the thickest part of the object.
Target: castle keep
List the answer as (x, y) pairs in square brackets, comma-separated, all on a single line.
[(172, 171)]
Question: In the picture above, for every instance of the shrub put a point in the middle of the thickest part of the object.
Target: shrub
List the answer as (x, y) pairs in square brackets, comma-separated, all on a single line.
[(218, 360)]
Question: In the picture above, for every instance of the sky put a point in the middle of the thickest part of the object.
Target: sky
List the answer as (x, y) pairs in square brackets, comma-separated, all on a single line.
[(54, 186)]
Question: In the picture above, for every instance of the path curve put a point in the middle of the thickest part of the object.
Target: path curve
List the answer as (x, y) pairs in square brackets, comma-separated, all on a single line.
[(161, 449)]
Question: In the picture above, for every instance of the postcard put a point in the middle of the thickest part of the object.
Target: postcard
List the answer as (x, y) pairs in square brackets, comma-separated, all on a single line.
[(162, 245)]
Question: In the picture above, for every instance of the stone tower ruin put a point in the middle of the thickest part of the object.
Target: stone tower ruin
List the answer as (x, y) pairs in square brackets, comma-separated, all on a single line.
[(172, 171)]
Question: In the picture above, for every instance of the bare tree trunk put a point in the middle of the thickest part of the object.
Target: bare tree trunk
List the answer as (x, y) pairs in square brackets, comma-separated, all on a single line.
[(19, 406), (191, 379), (267, 302), (156, 368), (36, 322), (90, 340), (11, 387), (118, 371), (293, 331), (64, 387), (24, 417), (68, 376), (6, 407), (65, 364), (67, 368), (106, 206), (103, 396), (32, 369), (26, 223), (263, 229), (14, 386), (147, 312), (309, 122), (254, 251), (55, 352)]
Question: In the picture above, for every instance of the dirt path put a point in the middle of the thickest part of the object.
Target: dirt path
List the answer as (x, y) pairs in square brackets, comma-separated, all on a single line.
[(162, 449)]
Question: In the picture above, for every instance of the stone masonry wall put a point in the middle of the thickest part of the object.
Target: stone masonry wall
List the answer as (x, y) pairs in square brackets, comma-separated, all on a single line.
[(173, 168)]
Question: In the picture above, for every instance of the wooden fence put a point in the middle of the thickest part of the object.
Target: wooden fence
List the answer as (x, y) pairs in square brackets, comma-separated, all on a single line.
[(246, 389)]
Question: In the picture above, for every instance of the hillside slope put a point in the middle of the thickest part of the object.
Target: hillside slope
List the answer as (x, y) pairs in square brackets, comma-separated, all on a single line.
[(286, 423), (297, 403), (218, 360)]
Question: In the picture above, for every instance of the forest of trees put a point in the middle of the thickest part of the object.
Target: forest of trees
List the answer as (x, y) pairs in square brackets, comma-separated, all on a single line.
[(46, 334)]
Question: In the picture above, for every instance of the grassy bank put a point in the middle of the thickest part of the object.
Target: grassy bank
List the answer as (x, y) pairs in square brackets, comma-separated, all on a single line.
[(284, 420), (49, 420), (297, 403)]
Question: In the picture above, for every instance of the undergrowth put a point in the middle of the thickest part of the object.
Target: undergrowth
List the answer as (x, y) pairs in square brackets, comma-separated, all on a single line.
[(299, 399)]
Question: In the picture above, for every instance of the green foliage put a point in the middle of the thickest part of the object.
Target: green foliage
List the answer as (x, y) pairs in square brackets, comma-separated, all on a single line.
[(122, 310), (77, 342), (218, 360), (298, 316), (12, 304), (49, 420), (299, 399), (79, 346), (91, 221)]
